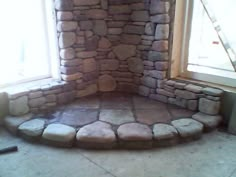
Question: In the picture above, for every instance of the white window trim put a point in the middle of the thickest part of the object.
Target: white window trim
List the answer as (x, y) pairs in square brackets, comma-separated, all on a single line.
[(52, 47), (182, 28)]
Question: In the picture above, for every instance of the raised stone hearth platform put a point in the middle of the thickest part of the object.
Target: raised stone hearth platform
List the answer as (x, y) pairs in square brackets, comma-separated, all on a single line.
[(113, 120)]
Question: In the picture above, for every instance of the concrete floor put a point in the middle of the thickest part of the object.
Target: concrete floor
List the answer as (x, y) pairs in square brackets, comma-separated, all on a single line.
[(212, 156)]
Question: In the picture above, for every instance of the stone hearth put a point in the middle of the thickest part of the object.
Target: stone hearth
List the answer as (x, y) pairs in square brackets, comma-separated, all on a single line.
[(114, 89), (113, 120)]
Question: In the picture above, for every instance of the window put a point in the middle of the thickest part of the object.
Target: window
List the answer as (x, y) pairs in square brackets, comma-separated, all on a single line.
[(27, 52), (207, 52)]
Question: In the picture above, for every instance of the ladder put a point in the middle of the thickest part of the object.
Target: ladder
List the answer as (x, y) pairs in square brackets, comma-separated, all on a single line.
[(229, 50)]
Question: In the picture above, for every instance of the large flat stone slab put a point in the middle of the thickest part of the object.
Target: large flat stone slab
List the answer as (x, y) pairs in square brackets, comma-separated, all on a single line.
[(116, 116), (151, 116), (90, 102), (146, 103), (178, 112), (188, 128), (209, 122), (78, 117), (116, 101), (59, 134), (12, 123), (32, 128), (96, 135)]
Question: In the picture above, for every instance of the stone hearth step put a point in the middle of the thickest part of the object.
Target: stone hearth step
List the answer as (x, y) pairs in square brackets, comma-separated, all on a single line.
[(188, 128), (135, 135), (59, 134), (96, 135), (114, 121), (12, 123), (209, 122), (164, 135), (32, 128)]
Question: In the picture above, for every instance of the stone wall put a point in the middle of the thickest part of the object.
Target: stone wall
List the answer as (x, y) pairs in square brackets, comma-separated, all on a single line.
[(116, 44), (40, 98), (186, 95)]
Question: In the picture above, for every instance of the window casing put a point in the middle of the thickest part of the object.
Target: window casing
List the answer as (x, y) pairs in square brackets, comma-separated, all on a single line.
[(29, 42), (189, 56)]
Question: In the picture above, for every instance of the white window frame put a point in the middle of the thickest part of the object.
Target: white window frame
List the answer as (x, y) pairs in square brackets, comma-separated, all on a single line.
[(52, 47), (179, 60)]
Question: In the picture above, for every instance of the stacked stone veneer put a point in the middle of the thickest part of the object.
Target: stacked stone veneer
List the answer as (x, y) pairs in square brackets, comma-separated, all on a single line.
[(104, 45), (193, 97), (40, 98), (114, 45)]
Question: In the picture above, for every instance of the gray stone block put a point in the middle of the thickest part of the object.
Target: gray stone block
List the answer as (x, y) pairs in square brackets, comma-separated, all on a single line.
[(86, 2), (98, 134), (209, 122), (32, 128), (66, 39), (212, 91), (149, 82), (165, 93), (149, 28), (37, 102), (130, 39), (192, 105), (63, 26), (96, 14), (124, 51), (12, 123), (86, 25), (59, 134), (156, 56), (135, 65), (158, 7), (106, 83), (193, 88), (134, 29), (141, 16), (188, 128), (67, 54), (19, 106), (109, 65), (209, 106), (134, 132), (64, 5), (160, 46), (162, 32), (119, 9), (185, 94), (100, 27), (160, 18)]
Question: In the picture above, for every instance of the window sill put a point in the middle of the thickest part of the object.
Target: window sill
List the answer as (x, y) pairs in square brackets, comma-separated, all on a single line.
[(17, 90), (203, 83)]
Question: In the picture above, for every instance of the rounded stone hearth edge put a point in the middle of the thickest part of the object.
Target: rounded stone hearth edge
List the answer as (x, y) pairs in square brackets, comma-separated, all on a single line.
[(101, 130)]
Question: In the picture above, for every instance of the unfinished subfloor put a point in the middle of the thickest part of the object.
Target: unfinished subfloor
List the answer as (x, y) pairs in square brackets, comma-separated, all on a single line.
[(212, 156)]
